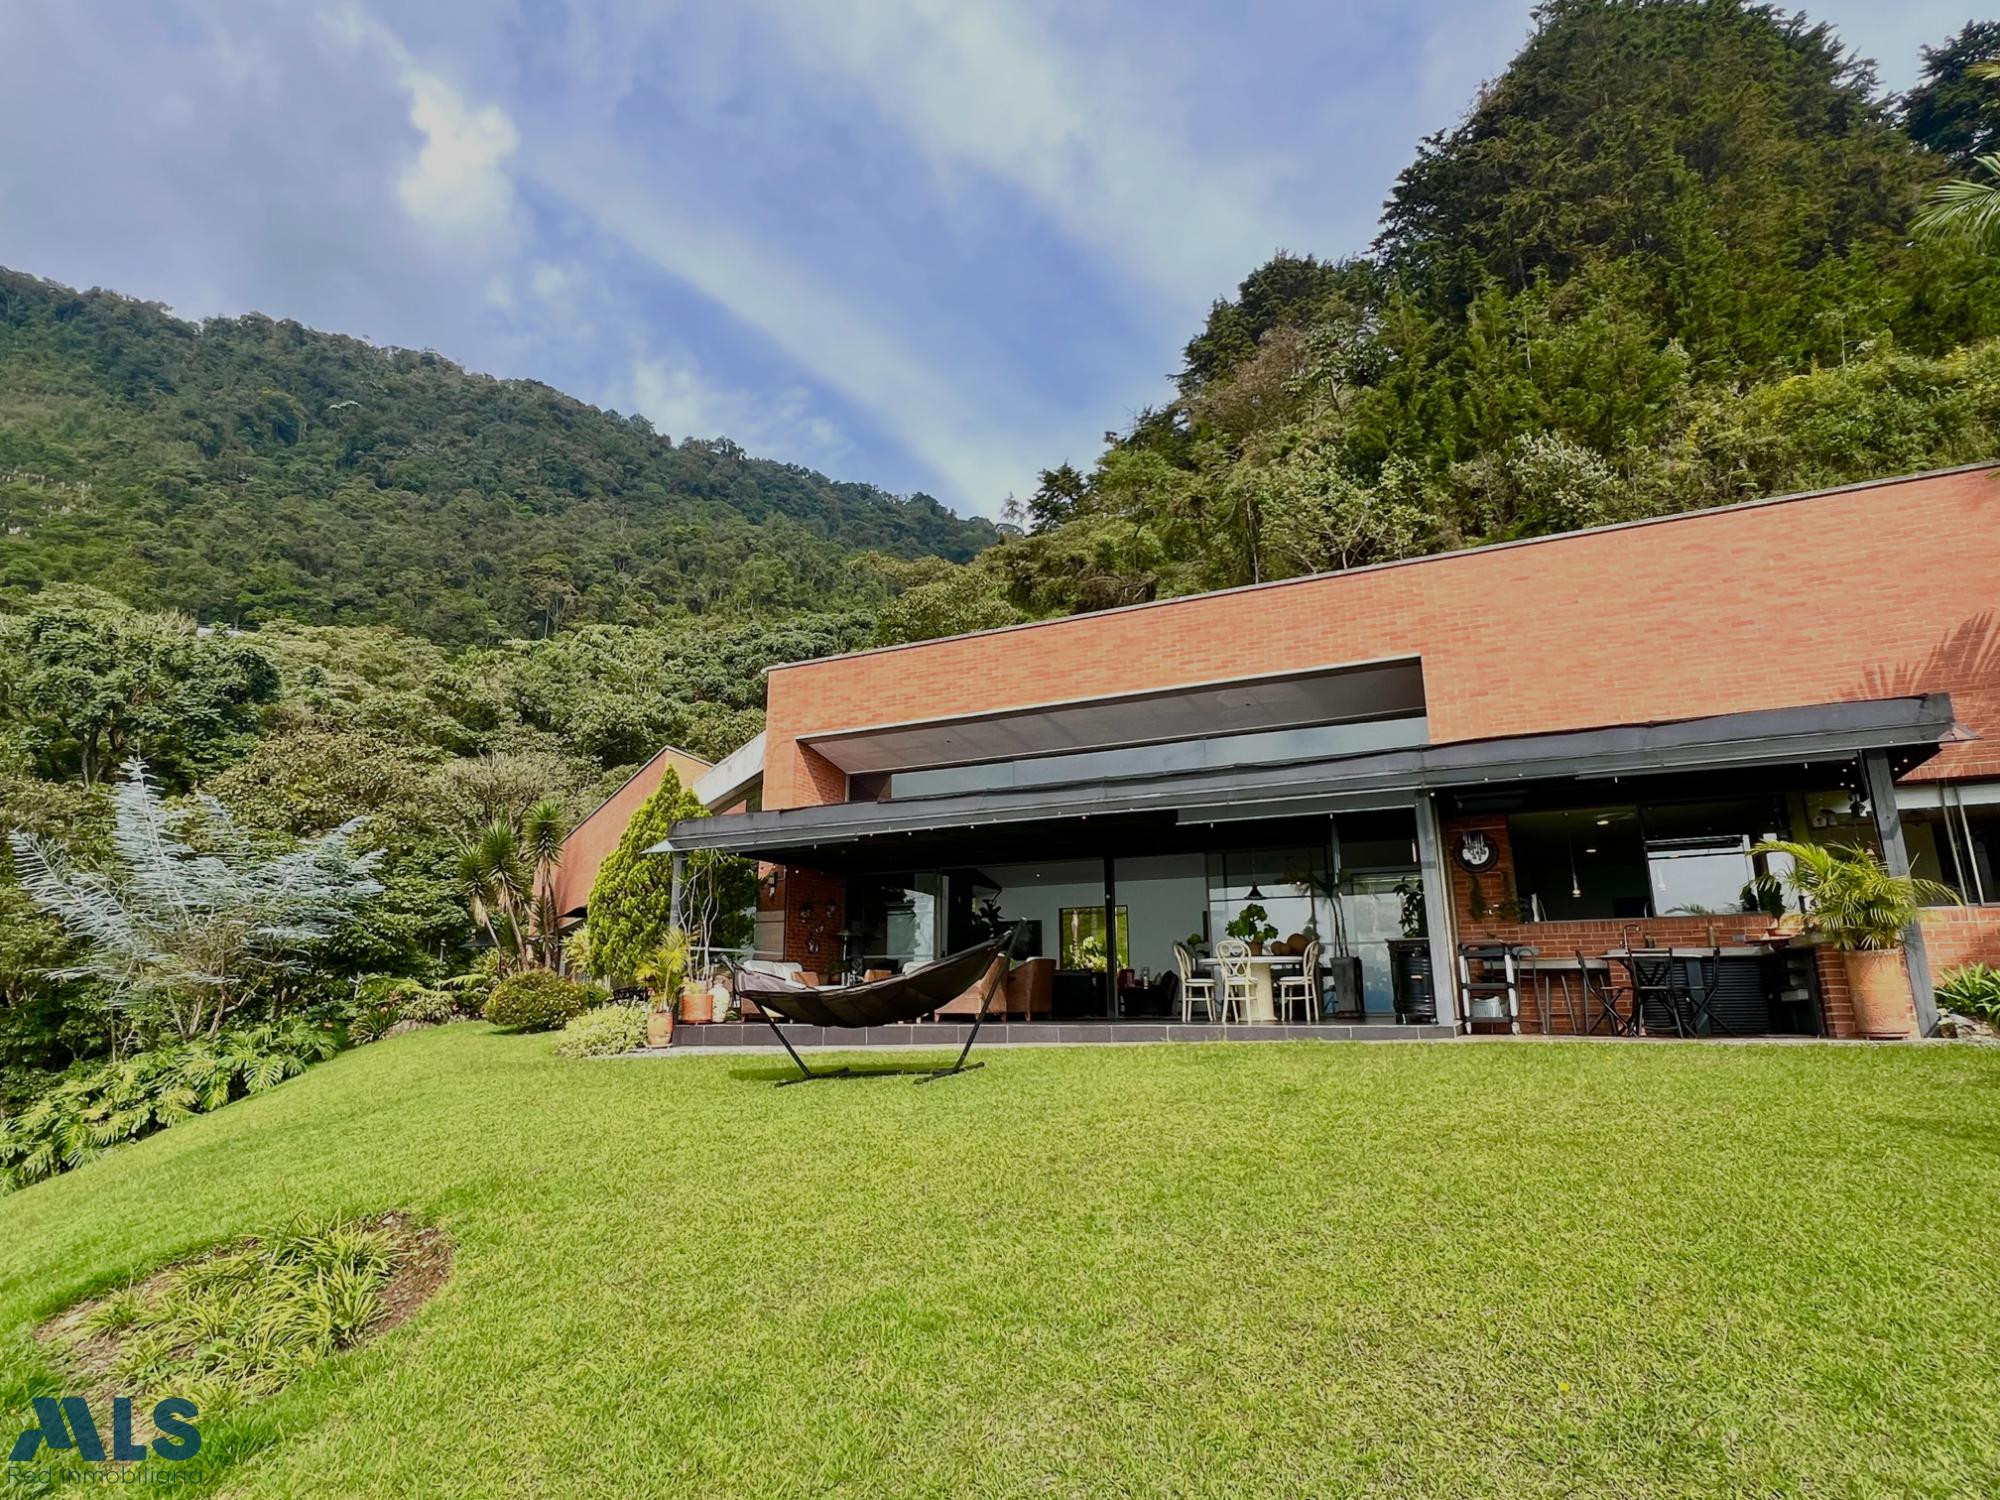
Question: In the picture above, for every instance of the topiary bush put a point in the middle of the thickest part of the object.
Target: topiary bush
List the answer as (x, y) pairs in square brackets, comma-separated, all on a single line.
[(603, 1031), (539, 1001)]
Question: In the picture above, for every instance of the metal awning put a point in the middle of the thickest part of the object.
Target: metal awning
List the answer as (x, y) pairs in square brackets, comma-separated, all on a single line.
[(1349, 693), (1915, 726)]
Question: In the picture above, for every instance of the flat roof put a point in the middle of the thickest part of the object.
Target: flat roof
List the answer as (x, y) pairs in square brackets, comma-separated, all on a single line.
[(1457, 553), (1914, 725)]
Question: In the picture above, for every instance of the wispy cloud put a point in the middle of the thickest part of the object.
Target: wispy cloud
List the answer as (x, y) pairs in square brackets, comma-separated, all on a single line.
[(1118, 162), (934, 243), (907, 390)]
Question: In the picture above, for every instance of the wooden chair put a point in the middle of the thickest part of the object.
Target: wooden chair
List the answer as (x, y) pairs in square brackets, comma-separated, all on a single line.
[(1238, 988), (1302, 987), (1195, 985)]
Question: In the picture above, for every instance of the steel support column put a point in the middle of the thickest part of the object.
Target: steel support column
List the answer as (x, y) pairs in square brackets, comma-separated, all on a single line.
[(1896, 855), (1437, 909)]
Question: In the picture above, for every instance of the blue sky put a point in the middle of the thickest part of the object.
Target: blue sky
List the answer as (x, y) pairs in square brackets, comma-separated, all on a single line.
[(929, 244)]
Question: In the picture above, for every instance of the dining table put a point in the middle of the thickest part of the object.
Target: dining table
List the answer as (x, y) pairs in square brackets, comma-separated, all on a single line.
[(1263, 1003)]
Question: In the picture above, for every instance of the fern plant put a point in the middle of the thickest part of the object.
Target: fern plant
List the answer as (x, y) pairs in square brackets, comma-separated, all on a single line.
[(1848, 896), (191, 934), (91, 1111)]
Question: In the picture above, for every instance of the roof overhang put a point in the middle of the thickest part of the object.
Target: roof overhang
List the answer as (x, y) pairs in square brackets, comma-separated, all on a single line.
[(1347, 693), (1913, 726), (732, 778)]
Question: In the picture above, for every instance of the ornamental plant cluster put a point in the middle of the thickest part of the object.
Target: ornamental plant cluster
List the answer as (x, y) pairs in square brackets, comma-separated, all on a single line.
[(539, 1000), (91, 1111)]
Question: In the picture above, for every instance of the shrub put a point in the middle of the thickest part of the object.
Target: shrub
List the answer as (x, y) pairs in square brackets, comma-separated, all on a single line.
[(1973, 990), (372, 1024), (98, 1107), (402, 999), (603, 1031), (538, 1001)]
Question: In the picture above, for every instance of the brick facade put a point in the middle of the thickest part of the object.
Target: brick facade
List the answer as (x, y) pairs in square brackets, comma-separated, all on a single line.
[(814, 904), (1878, 590)]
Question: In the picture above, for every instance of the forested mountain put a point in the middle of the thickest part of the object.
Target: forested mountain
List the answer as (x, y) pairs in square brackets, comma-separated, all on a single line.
[(243, 470), (1664, 262)]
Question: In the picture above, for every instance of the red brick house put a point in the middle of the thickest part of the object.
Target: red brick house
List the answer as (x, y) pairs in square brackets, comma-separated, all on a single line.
[(1570, 745)]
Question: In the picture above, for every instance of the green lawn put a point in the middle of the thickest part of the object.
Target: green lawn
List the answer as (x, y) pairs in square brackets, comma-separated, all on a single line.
[(1290, 1270)]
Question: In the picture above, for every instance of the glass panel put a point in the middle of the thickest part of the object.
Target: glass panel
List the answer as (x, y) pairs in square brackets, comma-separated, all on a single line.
[(1937, 849), (1380, 897), (894, 918), (1082, 929), (1586, 863), (1268, 893), (1267, 747), (1698, 854)]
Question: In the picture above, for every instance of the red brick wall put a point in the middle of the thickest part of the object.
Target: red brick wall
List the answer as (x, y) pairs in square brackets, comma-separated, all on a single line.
[(1955, 935), (1712, 613), (815, 908), (595, 839)]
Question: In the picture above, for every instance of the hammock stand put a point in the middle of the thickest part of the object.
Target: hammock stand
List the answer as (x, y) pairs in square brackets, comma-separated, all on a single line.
[(885, 1002)]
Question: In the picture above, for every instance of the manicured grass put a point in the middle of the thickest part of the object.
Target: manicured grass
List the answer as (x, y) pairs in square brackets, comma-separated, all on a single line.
[(1432, 1269)]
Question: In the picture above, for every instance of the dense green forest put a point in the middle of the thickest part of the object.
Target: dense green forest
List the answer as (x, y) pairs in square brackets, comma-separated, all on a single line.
[(246, 470), (1664, 261)]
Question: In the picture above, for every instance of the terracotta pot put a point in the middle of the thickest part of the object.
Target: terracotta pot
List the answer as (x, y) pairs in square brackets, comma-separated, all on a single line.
[(659, 1028), (1257, 948), (1883, 1003), (697, 1005)]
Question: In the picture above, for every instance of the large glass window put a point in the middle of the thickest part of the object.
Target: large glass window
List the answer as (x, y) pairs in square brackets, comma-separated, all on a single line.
[(1953, 836), (1630, 862), (1381, 895), (1267, 893), (1082, 929), (894, 919), (1587, 862)]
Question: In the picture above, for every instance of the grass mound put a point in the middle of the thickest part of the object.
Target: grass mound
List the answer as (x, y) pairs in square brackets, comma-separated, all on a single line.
[(245, 1320)]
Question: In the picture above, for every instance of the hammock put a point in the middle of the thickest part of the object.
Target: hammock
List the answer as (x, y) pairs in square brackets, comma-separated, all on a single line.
[(883, 1002)]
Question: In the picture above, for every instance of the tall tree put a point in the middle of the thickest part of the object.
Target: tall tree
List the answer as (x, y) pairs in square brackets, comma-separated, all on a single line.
[(631, 901), (1955, 110)]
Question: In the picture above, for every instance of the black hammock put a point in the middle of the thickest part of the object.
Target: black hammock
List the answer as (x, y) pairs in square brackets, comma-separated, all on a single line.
[(881, 1002)]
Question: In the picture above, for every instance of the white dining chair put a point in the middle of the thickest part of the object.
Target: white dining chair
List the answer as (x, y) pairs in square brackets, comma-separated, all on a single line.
[(1195, 985), (1238, 988), (1301, 988)]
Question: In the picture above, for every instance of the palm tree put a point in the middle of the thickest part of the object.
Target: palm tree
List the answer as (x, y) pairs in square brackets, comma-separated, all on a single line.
[(507, 876), (1966, 208)]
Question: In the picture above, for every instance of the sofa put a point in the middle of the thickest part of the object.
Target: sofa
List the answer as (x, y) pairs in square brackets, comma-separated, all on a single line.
[(1029, 989)]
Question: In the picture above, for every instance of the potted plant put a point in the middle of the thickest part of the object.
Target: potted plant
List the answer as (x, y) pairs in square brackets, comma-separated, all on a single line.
[(664, 974), (1253, 925), (1853, 905)]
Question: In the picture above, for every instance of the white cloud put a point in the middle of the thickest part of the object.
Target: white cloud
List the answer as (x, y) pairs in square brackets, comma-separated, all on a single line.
[(458, 183), (934, 411), (1115, 160), (678, 398)]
